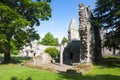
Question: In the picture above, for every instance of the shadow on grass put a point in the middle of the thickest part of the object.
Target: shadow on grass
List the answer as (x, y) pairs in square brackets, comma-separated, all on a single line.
[(17, 60), (15, 78), (107, 62), (88, 77), (111, 62), (76, 77)]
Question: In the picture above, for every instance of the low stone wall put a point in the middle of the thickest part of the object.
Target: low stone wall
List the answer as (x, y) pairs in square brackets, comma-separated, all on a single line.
[(35, 50)]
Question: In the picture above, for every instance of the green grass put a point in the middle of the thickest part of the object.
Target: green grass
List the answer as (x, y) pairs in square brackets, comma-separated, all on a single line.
[(103, 71), (16, 72), (15, 59)]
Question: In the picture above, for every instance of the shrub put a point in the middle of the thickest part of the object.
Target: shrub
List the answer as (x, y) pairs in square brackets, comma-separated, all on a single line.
[(53, 52)]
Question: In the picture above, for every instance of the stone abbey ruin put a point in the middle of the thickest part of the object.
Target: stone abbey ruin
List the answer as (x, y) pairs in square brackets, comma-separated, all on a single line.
[(82, 43), (86, 43)]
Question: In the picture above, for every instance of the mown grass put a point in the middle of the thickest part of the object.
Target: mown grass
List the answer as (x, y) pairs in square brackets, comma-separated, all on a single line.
[(103, 71), (16, 72), (15, 59)]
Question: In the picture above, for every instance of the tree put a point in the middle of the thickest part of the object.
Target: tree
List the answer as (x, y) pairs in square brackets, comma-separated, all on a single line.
[(15, 16), (53, 52), (108, 15), (56, 42), (32, 35), (97, 55), (10, 23), (64, 40), (49, 40)]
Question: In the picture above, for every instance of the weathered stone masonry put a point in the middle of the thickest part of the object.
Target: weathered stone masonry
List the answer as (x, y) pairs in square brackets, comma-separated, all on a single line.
[(86, 34)]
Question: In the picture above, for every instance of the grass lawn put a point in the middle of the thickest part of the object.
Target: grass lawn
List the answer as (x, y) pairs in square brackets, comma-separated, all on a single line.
[(109, 71)]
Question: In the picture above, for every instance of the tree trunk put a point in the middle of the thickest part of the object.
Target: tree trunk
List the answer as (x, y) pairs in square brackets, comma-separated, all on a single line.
[(7, 56), (97, 50), (114, 51)]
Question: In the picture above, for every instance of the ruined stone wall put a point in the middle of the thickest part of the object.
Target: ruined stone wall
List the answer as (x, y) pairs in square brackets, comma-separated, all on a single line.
[(86, 34), (35, 50), (71, 52)]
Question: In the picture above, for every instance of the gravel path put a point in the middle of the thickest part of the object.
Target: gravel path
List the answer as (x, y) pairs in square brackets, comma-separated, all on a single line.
[(56, 66)]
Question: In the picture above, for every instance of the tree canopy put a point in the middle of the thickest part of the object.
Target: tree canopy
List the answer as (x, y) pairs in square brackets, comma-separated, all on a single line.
[(64, 40), (108, 15), (49, 40), (15, 17)]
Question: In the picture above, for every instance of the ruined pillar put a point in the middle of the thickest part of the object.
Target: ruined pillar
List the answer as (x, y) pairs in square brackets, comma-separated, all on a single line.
[(86, 33), (61, 54)]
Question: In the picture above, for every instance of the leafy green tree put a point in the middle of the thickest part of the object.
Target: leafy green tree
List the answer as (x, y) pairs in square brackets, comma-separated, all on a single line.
[(49, 40), (108, 15), (53, 52), (56, 42), (10, 23), (15, 16), (32, 35), (64, 40)]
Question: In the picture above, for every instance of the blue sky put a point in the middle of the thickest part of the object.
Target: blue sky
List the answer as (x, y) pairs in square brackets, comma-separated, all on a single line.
[(62, 13)]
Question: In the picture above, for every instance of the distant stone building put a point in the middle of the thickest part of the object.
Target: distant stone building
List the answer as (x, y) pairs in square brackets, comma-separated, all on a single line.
[(105, 50)]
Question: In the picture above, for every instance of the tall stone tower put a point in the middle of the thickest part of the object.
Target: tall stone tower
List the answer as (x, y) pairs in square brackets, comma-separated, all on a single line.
[(86, 33), (73, 33), (71, 53)]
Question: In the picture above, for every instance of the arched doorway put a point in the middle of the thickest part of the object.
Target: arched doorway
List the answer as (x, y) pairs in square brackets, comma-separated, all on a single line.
[(71, 56)]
